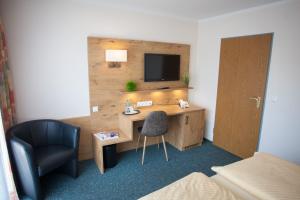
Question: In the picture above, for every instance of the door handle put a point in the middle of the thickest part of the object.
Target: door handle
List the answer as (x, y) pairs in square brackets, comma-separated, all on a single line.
[(258, 101)]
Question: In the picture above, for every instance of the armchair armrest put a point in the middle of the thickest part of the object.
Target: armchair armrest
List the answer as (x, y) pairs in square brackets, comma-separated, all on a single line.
[(71, 136), (25, 165)]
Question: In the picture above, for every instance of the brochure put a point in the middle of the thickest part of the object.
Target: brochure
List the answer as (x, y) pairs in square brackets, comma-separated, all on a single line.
[(107, 135)]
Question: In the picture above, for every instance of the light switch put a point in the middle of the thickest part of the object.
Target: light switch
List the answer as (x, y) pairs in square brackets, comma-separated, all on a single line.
[(95, 109)]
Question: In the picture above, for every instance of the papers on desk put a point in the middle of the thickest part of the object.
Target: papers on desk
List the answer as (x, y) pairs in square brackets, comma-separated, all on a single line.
[(107, 135)]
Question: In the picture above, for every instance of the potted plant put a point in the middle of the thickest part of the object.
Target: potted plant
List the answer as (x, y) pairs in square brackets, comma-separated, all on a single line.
[(130, 86), (186, 79)]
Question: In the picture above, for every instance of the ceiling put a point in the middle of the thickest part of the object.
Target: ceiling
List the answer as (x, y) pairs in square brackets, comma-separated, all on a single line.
[(192, 9)]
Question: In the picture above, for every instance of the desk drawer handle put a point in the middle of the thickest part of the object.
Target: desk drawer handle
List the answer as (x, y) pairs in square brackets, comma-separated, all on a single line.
[(186, 119)]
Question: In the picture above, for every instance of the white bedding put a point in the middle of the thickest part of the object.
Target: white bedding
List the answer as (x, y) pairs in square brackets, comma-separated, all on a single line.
[(264, 176), (233, 187), (193, 186)]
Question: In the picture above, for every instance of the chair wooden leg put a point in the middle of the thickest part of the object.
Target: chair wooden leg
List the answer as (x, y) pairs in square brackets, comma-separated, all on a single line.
[(144, 149), (138, 142), (163, 139), (158, 142)]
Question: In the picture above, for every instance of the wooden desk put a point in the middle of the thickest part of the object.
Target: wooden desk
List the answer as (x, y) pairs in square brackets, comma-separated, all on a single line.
[(171, 110), (185, 129), (185, 125)]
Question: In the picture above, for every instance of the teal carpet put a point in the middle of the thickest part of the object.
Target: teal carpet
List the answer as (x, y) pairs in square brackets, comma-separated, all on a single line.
[(129, 179)]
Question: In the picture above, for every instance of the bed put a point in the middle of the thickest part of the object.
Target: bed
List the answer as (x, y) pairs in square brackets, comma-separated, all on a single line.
[(262, 176)]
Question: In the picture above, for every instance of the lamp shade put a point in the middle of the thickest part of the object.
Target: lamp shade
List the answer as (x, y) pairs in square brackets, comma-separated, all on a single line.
[(116, 55)]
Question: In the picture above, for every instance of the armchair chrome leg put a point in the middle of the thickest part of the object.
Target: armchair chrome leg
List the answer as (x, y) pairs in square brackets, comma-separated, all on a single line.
[(144, 149), (138, 142), (163, 139), (158, 142)]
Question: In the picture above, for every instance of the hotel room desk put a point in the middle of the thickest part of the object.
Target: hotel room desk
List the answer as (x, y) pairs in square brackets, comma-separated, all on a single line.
[(185, 125), (185, 129)]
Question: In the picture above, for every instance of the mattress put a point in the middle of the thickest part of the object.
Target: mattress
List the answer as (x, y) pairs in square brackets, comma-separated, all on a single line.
[(193, 186), (264, 176)]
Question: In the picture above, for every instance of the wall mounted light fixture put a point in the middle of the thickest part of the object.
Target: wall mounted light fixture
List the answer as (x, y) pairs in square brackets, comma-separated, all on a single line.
[(115, 57)]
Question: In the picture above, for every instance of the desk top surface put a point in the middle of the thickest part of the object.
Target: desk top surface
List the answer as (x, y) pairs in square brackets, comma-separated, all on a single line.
[(171, 110)]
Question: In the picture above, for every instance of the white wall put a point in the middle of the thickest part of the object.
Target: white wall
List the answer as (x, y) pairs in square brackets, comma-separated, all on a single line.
[(280, 132), (47, 43)]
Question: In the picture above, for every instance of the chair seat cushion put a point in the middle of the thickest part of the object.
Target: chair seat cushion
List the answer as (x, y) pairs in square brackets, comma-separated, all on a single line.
[(51, 157)]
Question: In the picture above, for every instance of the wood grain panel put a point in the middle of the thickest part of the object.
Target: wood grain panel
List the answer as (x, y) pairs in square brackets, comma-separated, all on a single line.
[(243, 74), (227, 89), (182, 133), (192, 125), (173, 136), (252, 77), (157, 97), (106, 83), (85, 140)]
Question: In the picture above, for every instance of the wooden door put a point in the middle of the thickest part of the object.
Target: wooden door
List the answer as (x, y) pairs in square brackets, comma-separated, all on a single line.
[(243, 73)]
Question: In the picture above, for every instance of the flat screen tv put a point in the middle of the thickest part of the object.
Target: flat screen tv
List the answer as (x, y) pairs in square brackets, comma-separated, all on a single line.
[(161, 67)]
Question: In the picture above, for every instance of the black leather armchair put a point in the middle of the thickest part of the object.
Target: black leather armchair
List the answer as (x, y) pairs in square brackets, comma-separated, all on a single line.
[(40, 146)]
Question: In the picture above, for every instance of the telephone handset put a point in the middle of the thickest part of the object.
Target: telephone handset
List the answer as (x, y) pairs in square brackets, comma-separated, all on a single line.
[(183, 104)]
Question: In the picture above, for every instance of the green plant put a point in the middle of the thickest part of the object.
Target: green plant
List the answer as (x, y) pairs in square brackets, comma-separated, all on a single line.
[(186, 79), (130, 86)]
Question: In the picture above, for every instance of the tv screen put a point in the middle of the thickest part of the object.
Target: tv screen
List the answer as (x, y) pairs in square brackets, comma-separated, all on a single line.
[(161, 67)]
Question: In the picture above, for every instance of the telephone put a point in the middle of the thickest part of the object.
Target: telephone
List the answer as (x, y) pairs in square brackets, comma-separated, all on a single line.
[(183, 104)]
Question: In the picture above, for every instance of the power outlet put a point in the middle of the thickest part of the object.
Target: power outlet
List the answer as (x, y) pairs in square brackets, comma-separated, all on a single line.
[(144, 103)]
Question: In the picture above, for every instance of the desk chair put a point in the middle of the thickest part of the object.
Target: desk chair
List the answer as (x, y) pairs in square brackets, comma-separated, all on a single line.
[(156, 124)]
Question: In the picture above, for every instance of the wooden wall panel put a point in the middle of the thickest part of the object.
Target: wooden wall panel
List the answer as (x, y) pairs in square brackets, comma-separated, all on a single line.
[(85, 142), (105, 84), (158, 97)]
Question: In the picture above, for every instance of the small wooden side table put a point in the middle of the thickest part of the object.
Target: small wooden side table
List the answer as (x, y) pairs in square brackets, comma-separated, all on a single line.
[(99, 144)]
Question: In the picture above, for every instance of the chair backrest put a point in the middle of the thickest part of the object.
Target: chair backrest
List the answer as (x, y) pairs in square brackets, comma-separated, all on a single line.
[(156, 123), (39, 132)]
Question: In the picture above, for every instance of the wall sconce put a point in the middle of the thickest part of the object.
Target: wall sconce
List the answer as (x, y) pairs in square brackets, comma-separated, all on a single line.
[(115, 57)]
